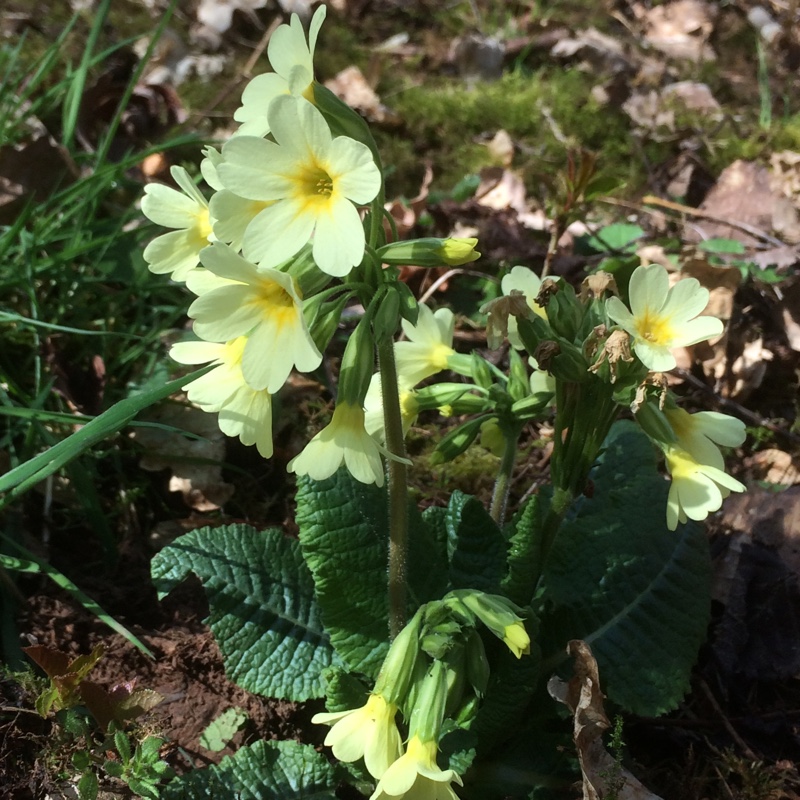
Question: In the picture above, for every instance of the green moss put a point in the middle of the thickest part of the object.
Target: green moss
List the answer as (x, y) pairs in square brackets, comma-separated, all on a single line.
[(449, 121)]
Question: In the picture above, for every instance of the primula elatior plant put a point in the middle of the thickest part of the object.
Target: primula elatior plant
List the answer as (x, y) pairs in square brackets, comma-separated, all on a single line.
[(432, 635)]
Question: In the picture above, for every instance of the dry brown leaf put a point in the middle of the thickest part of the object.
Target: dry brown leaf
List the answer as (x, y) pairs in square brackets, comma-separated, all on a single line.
[(597, 48), (656, 112), (680, 29), (602, 776), (406, 212), (790, 311), (744, 195), (774, 466), (721, 282), (746, 373), (352, 87), (193, 473)]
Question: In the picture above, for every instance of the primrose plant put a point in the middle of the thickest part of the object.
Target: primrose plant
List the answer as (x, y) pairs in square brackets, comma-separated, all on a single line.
[(432, 635)]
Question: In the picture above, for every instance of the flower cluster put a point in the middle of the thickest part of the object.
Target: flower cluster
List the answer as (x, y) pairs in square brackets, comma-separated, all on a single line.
[(623, 347), (436, 652)]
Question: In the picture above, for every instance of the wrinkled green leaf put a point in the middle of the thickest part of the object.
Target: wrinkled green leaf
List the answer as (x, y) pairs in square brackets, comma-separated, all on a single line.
[(475, 545), (262, 771), (344, 532), (636, 592), (263, 612)]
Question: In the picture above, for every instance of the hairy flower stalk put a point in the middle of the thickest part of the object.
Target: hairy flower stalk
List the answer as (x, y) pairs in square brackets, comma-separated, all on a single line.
[(398, 488)]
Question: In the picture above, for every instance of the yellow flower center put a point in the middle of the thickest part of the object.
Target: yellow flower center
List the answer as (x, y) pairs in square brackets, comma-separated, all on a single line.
[(276, 303), (234, 350), (438, 356), (203, 224), (313, 187), (654, 328)]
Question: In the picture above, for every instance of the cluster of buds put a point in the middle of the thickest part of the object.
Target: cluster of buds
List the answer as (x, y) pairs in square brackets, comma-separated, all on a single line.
[(436, 669), (279, 250)]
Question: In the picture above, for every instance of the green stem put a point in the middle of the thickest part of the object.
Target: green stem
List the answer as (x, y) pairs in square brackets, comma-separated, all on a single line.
[(398, 489), (502, 485)]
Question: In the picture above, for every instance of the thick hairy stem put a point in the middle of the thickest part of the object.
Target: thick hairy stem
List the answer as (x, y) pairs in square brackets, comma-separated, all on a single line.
[(398, 489), (502, 485)]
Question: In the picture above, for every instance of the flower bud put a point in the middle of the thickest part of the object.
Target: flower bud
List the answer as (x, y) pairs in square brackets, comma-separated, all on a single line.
[(358, 364), (398, 668), (457, 441), (386, 320), (481, 373), (430, 252), (500, 616)]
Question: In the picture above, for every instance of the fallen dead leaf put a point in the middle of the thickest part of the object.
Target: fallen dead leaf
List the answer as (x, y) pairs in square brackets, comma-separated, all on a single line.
[(196, 463), (746, 373), (602, 775), (744, 195), (352, 87), (774, 466), (680, 29), (405, 213), (789, 305)]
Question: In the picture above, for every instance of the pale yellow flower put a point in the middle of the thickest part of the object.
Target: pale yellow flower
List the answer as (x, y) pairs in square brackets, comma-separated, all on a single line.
[(429, 345), (265, 306), (697, 489), (343, 441), (178, 251), (312, 184), (368, 732), (529, 283), (699, 434), (662, 318), (416, 776), (292, 58), (373, 408), (243, 411)]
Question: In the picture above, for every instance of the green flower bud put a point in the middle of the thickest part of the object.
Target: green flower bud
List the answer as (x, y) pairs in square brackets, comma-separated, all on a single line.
[(481, 373), (310, 279), (325, 317), (409, 308), (358, 364), (518, 380), (386, 320), (458, 397), (430, 252), (428, 714), (399, 666), (500, 616), (457, 441), (562, 360), (654, 423)]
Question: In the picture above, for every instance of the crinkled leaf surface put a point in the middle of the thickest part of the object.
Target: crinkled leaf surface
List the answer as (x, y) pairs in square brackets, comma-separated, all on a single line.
[(636, 592), (263, 611), (262, 771), (344, 534), (475, 545)]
